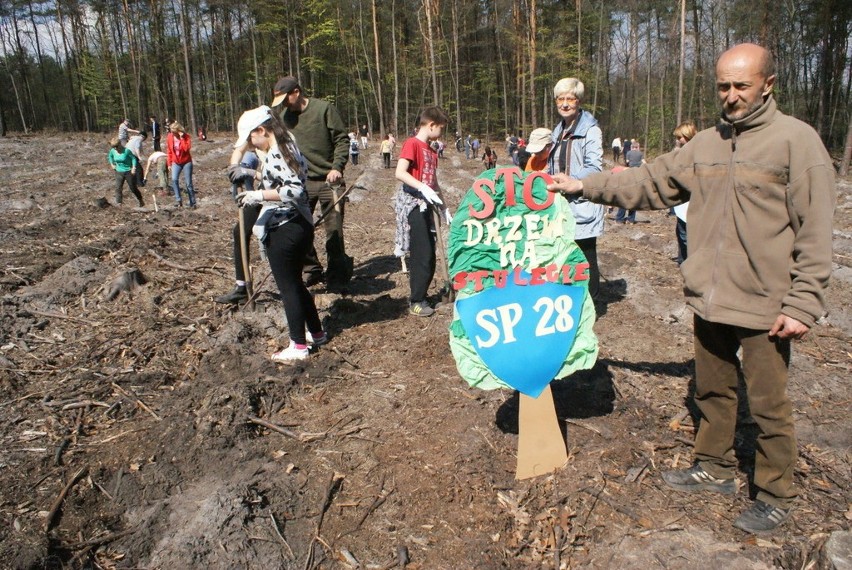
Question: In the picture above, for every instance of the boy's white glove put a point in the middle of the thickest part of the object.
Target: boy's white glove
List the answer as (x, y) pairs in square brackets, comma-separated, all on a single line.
[(430, 195), (250, 197), (448, 217)]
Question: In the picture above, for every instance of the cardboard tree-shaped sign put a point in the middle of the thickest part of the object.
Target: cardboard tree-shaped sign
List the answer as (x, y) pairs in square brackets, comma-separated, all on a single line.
[(523, 316)]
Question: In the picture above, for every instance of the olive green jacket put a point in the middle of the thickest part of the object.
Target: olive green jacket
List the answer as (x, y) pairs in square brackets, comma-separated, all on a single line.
[(320, 136)]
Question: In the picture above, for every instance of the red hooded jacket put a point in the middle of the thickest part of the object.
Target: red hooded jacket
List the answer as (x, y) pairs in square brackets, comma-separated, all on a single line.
[(179, 155)]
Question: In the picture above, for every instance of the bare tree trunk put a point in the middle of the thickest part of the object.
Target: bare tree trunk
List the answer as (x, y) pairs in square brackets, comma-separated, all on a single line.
[(502, 63), (682, 54), (369, 119), (353, 55), (226, 36), (190, 103), (23, 69), (847, 151), (647, 90), (48, 106), (457, 77), (131, 48), (598, 59), (431, 9), (369, 72), (579, 6), (698, 76), (532, 57), (517, 62), (378, 72), (257, 89), (394, 123), (70, 64), (118, 79), (663, 137), (18, 101)]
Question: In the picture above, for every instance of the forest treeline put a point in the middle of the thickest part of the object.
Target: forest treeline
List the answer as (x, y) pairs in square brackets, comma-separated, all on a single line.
[(83, 65)]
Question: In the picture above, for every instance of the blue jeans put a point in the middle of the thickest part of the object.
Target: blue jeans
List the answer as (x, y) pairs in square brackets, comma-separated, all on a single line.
[(680, 232), (625, 216), (187, 178)]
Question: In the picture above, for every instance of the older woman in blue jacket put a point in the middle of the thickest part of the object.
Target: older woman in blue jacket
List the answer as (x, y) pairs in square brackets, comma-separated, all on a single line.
[(578, 152)]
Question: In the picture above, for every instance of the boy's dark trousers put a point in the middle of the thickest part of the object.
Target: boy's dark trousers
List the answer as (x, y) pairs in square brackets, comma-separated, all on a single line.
[(421, 264)]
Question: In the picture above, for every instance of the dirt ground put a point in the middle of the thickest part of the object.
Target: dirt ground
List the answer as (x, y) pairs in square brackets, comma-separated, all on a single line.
[(133, 431)]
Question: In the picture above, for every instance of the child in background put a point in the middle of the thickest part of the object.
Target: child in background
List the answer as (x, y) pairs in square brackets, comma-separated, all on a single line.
[(682, 134), (386, 151), (538, 149), (417, 168), (124, 163), (135, 146), (354, 151), (159, 160), (489, 158), (246, 183)]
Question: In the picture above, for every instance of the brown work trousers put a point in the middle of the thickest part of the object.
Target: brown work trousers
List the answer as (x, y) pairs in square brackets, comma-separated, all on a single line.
[(324, 194), (765, 362)]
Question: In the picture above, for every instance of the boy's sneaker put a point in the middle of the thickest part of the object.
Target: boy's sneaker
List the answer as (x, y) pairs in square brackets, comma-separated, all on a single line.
[(697, 479), (318, 339), (761, 517), (291, 353), (421, 309)]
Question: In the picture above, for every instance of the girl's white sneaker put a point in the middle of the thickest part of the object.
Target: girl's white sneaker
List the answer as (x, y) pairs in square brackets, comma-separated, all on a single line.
[(291, 353)]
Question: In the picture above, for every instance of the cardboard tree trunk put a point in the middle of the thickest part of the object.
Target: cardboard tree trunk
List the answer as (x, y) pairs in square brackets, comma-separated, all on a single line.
[(541, 449)]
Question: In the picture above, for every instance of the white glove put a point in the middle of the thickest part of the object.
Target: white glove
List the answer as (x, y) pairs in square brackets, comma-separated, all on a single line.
[(430, 195), (448, 217), (250, 197)]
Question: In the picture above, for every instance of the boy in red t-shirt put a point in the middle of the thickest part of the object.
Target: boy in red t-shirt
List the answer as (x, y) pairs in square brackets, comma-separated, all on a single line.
[(417, 169)]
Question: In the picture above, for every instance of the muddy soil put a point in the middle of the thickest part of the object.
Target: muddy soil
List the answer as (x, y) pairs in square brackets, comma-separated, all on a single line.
[(136, 431)]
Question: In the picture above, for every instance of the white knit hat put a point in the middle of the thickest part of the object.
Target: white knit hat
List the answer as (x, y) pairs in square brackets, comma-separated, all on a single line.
[(249, 121)]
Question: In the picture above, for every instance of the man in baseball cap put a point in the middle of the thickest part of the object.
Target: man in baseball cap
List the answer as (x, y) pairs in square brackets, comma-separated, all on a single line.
[(322, 139), (283, 88)]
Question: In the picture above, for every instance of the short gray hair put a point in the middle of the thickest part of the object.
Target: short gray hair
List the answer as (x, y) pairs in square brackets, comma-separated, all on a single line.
[(571, 86)]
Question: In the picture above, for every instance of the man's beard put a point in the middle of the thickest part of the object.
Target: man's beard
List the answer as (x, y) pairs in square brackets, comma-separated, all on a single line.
[(740, 114)]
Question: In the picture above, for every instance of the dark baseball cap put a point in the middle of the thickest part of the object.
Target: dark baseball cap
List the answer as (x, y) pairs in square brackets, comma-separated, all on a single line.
[(283, 87)]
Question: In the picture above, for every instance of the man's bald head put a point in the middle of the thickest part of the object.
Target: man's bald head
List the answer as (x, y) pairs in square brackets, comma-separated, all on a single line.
[(745, 75), (754, 55)]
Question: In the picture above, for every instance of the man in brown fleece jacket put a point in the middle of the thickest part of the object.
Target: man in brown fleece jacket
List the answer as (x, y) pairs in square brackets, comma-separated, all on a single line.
[(762, 193)]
